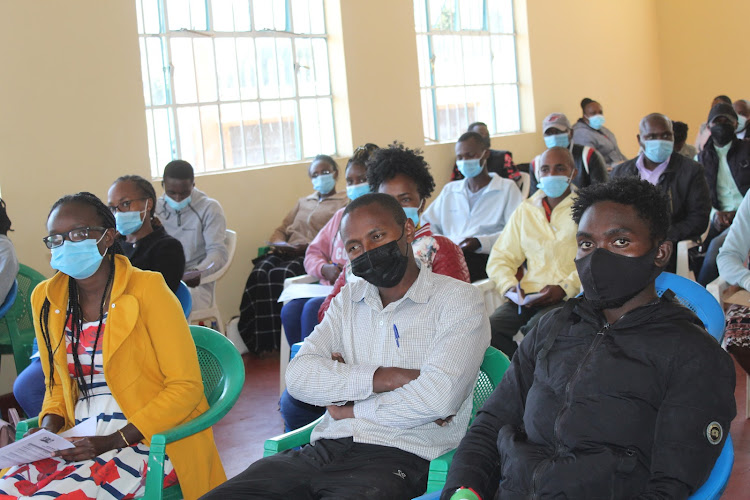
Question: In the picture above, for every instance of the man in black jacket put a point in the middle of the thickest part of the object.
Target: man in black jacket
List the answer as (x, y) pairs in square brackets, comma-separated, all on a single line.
[(589, 162), (681, 178), (620, 394)]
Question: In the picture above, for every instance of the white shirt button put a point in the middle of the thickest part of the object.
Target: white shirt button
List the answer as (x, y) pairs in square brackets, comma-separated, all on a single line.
[(113, 306), (57, 311), (381, 323)]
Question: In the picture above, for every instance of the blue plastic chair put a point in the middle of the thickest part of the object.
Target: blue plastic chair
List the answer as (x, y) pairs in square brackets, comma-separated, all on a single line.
[(186, 300), (10, 299), (697, 299)]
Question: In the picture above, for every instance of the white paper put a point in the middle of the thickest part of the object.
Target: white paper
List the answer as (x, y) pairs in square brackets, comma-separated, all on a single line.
[(305, 291), (513, 296), (33, 447), (84, 429)]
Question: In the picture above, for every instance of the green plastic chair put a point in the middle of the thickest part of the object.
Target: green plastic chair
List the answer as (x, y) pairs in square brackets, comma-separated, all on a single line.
[(493, 368), (223, 374), (17, 326)]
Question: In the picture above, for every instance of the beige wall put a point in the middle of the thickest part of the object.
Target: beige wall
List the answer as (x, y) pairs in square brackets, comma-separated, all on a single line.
[(72, 107)]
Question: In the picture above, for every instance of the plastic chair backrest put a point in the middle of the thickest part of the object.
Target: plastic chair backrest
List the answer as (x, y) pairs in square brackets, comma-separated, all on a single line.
[(9, 299), (526, 185), (697, 299), (186, 300), (230, 241), (493, 368), (18, 322), (719, 477), (220, 362)]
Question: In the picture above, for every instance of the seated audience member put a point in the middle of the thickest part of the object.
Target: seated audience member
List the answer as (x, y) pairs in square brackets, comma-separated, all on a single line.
[(144, 240), (704, 132), (394, 361), (681, 146), (742, 108), (132, 368), (732, 269), (542, 234), (589, 163), (725, 160), (619, 394), (472, 212), (499, 162), (198, 222), (260, 311), (8, 259), (681, 178), (590, 131), (325, 257), (403, 174)]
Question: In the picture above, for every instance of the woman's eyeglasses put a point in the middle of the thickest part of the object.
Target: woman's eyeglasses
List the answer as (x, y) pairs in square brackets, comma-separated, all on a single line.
[(78, 234), (124, 206)]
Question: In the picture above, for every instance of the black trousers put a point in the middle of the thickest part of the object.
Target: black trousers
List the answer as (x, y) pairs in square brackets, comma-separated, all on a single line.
[(505, 322), (331, 468), (477, 264)]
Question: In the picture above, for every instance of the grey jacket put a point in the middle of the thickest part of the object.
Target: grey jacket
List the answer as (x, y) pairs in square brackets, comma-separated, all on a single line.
[(201, 228), (603, 140)]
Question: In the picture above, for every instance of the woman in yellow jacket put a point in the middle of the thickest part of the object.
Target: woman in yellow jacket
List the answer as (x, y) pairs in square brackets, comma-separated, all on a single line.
[(115, 347)]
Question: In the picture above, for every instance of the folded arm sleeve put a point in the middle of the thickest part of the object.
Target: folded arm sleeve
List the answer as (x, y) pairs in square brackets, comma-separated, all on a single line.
[(698, 202), (169, 260), (506, 255), (280, 233), (735, 248)]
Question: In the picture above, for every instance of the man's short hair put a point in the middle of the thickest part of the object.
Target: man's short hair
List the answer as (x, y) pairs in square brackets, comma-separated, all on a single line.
[(382, 200), (680, 130), (476, 124), (650, 203), (472, 135), (179, 169), (386, 163)]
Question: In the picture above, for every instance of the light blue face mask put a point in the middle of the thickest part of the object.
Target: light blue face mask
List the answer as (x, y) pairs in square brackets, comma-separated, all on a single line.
[(557, 140), (553, 185), (657, 150), (324, 183), (128, 222), (413, 214), (178, 205), (77, 259), (741, 122), (357, 190), (469, 168), (596, 122)]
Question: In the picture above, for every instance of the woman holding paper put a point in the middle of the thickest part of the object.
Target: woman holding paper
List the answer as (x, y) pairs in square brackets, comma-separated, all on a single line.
[(115, 347)]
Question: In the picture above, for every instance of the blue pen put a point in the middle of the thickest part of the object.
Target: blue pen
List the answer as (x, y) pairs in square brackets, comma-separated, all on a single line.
[(395, 335)]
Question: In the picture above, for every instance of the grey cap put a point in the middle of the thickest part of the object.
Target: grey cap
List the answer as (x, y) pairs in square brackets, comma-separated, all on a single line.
[(558, 121)]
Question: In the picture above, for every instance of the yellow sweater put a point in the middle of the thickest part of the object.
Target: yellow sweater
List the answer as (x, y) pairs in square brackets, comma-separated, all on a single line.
[(151, 367), (549, 248)]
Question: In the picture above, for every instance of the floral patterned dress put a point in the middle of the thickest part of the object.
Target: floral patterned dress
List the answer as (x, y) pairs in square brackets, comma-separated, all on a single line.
[(116, 474)]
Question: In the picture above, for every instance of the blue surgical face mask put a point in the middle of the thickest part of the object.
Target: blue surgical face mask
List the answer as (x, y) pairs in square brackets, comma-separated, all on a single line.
[(469, 168), (128, 222), (741, 122), (413, 214), (557, 140), (324, 183), (178, 205), (596, 122), (553, 185), (657, 150), (77, 259), (357, 190)]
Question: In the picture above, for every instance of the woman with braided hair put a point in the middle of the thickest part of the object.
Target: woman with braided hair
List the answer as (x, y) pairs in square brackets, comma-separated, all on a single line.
[(115, 347)]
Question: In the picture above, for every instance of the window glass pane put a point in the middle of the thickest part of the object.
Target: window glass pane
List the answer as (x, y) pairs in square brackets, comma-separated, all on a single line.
[(269, 14), (198, 14), (205, 69), (305, 67), (477, 59), (253, 136), (290, 124), (420, 19), (327, 137), (163, 133), (156, 71), (428, 115), (273, 145), (506, 109), (226, 68), (301, 16), (480, 106), (241, 15), (285, 59), (151, 22), (139, 16), (423, 56), (317, 17), (152, 143), (144, 72), (222, 15), (322, 75), (308, 109), (178, 14), (268, 75), (446, 50), (231, 133), (471, 13), (191, 140), (451, 112), (211, 137), (504, 59), (442, 15), (500, 16), (184, 71), (247, 72)]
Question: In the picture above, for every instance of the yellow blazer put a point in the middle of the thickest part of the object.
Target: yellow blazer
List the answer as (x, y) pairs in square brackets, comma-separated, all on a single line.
[(150, 364)]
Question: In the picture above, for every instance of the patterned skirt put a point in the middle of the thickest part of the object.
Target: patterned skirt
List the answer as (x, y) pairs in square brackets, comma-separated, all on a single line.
[(737, 331)]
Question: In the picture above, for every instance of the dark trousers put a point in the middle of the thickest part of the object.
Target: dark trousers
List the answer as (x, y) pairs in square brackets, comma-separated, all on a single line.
[(709, 269), (505, 322), (477, 264), (332, 468)]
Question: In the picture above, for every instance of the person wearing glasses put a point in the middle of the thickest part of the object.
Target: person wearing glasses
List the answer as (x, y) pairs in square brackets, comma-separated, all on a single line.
[(115, 348), (260, 311), (144, 240)]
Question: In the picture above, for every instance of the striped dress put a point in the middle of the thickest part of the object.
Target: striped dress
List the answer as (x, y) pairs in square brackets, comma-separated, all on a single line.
[(116, 474)]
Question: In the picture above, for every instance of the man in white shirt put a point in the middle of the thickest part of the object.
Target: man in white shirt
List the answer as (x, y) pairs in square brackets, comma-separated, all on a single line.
[(472, 212), (394, 361)]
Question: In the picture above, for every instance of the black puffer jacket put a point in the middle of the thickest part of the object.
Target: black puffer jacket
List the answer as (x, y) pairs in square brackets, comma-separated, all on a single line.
[(619, 411)]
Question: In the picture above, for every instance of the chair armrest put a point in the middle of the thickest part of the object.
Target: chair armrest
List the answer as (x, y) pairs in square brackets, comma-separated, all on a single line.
[(24, 426), (297, 437), (439, 471), (717, 288)]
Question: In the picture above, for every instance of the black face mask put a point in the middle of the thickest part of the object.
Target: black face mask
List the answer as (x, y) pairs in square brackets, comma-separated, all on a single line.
[(722, 133), (383, 266), (610, 280)]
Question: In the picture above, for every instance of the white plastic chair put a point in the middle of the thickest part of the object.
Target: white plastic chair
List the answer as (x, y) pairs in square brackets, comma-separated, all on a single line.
[(525, 184), (683, 263), (492, 299), (717, 288), (212, 312), (284, 344)]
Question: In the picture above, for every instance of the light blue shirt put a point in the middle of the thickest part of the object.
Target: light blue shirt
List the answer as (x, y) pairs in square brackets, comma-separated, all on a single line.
[(726, 189), (733, 253)]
